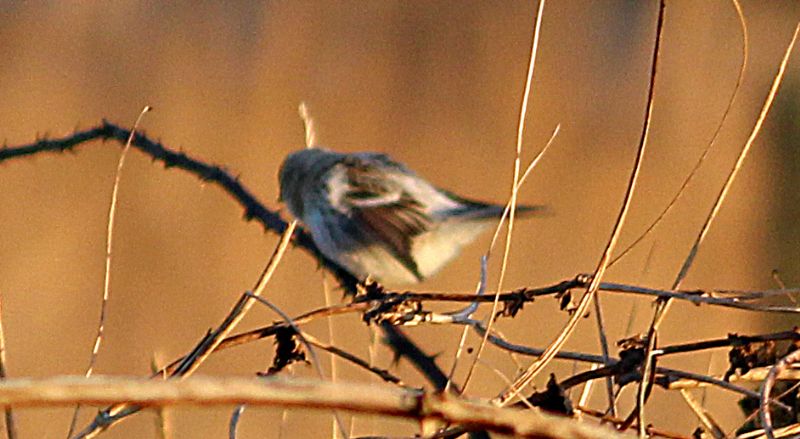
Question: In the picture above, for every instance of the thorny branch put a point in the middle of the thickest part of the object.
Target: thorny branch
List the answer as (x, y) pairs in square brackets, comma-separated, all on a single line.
[(391, 308), (400, 343)]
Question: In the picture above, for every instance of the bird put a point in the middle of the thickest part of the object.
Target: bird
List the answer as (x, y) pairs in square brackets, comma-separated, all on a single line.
[(377, 218)]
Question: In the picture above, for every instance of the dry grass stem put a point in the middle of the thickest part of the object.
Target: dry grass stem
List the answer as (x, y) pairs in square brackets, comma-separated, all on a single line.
[(523, 112), (662, 306), (526, 377), (112, 211), (693, 172)]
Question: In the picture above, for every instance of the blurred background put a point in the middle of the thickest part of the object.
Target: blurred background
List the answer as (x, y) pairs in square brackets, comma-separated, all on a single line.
[(437, 85)]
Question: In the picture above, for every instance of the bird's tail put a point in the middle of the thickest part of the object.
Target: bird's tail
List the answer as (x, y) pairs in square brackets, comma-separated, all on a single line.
[(496, 211), (471, 209)]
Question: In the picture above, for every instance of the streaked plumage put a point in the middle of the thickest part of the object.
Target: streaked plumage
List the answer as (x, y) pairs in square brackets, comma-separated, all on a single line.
[(376, 218)]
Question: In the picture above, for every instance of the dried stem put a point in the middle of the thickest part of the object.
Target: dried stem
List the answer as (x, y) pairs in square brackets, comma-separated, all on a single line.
[(526, 377), (523, 112), (682, 189), (112, 211), (662, 306)]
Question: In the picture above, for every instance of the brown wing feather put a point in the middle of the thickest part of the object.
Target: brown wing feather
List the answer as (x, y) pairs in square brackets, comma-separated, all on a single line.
[(395, 226), (380, 205)]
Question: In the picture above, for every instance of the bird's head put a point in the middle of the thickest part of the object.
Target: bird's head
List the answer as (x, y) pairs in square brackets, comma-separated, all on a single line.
[(300, 174)]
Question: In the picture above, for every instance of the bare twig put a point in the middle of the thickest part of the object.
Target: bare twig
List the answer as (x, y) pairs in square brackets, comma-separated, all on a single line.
[(523, 112), (112, 211), (711, 143), (662, 306), (192, 362), (341, 353), (738, 300), (253, 209), (526, 377), (601, 331), (788, 432), (753, 376), (674, 378), (712, 214), (467, 313), (233, 424)]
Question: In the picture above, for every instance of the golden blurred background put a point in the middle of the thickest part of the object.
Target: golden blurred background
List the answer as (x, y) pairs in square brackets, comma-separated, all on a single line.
[(435, 84)]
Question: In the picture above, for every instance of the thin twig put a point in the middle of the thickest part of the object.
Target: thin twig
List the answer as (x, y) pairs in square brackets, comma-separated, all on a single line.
[(329, 311), (651, 431), (788, 432), (662, 306), (696, 297), (233, 424), (712, 214), (326, 292), (191, 364), (601, 331), (523, 112), (341, 353), (466, 313), (711, 143), (526, 377), (112, 211)]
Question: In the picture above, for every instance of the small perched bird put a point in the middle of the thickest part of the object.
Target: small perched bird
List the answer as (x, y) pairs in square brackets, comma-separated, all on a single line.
[(377, 218)]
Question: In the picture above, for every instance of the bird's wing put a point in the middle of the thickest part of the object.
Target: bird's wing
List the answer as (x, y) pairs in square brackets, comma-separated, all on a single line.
[(374, 195)]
